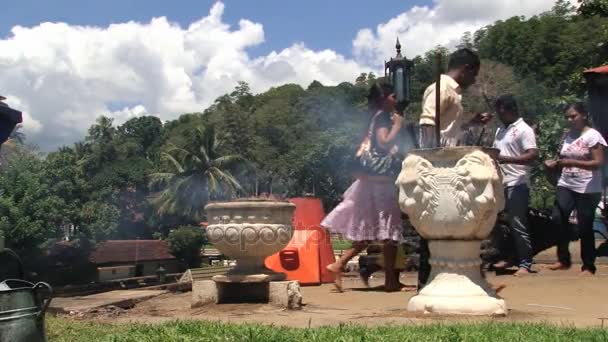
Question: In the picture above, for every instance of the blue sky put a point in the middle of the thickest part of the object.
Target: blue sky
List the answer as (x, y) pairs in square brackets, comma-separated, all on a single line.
[(321, 24), (66, 62)]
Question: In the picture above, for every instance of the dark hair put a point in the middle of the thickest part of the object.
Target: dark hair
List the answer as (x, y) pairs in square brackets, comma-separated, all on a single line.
[(579, 107), (462, 57), (507, 102), (377, 94)]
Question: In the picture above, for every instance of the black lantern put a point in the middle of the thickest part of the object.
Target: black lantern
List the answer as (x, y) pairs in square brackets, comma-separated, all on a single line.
[(398, 71)]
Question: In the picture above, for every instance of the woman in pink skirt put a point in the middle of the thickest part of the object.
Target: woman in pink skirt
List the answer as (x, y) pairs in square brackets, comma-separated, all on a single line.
[(370, 209)]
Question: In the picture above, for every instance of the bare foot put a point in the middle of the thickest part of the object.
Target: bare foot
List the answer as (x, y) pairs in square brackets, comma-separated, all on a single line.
[(501, 264), (522, 271), (334, 268), (338, 282), (586, 273), (558, 266), (498, 288), (337, 271)]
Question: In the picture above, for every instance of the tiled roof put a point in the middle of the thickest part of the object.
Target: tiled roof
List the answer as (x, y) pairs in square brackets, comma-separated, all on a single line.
[(120, 251)]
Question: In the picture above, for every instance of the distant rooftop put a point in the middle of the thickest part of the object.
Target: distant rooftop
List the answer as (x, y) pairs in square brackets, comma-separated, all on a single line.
[(123, 251)]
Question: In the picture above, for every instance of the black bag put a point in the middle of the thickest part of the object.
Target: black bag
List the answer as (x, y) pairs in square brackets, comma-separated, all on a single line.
[(373, 161)]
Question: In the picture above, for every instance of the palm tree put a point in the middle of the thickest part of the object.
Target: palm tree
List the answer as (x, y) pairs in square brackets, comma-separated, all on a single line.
[(199, 174)]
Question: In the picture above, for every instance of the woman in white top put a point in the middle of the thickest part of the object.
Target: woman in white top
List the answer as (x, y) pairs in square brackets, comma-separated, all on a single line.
[(579, 187)]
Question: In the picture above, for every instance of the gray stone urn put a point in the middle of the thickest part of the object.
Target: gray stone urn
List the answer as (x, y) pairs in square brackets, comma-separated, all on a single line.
[(248, 231), (452, 196)]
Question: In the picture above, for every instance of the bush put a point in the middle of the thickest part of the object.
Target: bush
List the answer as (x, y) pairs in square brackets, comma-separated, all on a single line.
[(185, 244)]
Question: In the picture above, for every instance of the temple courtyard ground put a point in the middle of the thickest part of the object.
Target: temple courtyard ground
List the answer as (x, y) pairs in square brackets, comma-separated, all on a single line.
[(555, 297)]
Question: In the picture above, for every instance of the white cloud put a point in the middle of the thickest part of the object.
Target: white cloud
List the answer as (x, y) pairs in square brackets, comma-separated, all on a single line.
[(129, 113), (423, 27), (64, 76)]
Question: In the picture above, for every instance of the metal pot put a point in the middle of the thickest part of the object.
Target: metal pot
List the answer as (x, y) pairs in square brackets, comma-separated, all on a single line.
[(22, 308)]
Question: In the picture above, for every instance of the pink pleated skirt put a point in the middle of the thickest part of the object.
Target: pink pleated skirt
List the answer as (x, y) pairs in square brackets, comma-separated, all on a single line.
[(369, 212)]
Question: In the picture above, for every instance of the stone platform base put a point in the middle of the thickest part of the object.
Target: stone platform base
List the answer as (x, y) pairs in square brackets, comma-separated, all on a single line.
[(457, 286), (454, 294), (284, 294)]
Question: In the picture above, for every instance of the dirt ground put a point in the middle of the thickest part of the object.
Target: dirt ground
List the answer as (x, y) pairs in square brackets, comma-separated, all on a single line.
[(554, 297)]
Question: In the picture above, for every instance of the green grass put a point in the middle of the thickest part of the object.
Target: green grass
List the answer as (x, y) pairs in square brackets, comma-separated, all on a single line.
[(61, 329), (340, 244)]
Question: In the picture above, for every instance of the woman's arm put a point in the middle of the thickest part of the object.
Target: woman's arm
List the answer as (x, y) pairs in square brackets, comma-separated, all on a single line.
[(597, 159), (385, 137)]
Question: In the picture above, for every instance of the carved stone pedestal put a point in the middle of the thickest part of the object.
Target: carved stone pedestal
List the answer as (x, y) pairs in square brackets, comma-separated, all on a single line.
[(452, 197), (457, 286)]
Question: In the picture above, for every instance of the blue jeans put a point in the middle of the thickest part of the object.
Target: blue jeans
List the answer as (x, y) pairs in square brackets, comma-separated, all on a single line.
[(517, 199), (567, 200)]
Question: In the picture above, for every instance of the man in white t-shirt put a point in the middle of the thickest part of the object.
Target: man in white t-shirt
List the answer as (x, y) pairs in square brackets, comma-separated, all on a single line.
[(517, 144)]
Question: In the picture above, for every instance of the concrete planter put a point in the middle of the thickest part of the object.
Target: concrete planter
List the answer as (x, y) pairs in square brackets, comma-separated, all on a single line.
[(452, 197), (249, 231)]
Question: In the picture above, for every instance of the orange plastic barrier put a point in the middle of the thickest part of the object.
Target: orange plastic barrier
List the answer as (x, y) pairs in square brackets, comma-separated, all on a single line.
[(309, 252)]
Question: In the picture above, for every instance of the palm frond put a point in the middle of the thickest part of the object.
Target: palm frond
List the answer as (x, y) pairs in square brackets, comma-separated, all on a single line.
[(178, 166), (227, 162), (181, 153), (160, 179), (212, 183), (226, 178)]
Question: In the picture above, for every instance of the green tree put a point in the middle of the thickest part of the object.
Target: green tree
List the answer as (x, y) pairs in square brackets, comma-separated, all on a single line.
[(100, 220), (142, 136), (562, 8), (195, 174), (553, 48), (590, 8), (30, 212), (66, 180), (185, 243), (466, 41)]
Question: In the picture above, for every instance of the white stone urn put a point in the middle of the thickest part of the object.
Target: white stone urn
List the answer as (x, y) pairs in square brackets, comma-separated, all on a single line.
[(452, 196), (249, 231)]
